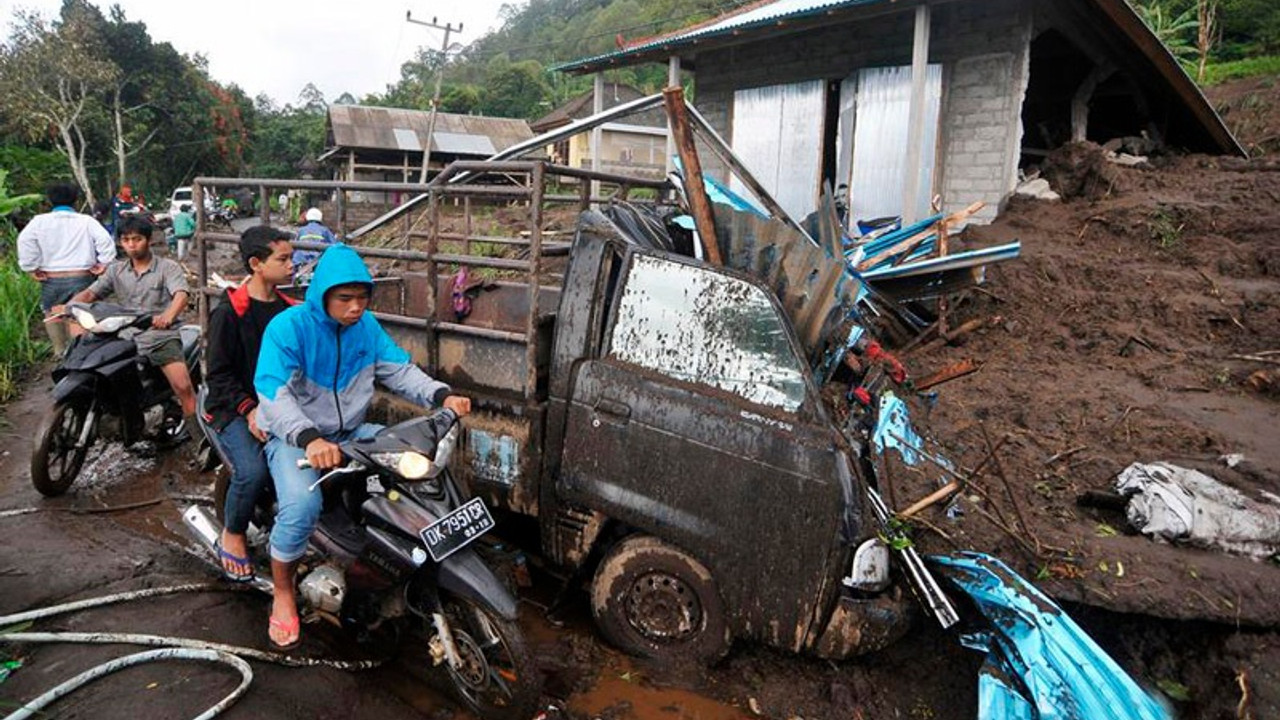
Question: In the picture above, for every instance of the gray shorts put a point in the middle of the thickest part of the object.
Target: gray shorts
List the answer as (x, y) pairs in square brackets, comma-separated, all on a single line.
[(160, 347)]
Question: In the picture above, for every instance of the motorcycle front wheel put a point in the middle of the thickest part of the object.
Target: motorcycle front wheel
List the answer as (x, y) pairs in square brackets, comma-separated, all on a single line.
[(497, 679), (56, 458)]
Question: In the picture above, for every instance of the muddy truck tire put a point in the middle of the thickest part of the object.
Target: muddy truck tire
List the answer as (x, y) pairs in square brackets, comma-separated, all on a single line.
[(654, 600), (55, 459)]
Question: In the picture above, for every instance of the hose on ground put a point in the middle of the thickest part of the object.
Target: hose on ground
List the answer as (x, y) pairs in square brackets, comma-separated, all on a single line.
[(35, 707), (171, 647)]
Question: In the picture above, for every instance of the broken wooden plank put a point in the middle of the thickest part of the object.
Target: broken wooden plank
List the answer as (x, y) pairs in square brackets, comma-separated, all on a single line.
[(949, 373)]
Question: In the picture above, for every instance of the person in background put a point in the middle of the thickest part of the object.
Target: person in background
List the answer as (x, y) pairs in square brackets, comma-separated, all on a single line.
[(122, 202), (64, 251), (236, 327), (184, 228), (313, 231)]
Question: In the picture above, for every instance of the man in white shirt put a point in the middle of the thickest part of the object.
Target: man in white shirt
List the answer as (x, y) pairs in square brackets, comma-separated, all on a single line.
[(64, 251)]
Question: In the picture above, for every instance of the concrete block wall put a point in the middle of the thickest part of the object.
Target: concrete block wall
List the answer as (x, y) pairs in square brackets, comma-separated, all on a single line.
[(984, 50)]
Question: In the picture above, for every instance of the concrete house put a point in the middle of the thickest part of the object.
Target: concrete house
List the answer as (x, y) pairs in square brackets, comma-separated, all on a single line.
[(383, 144), (636, 146), (904, 100)]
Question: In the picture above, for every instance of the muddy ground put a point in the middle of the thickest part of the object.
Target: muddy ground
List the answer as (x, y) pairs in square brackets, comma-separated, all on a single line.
[(1114, 345)]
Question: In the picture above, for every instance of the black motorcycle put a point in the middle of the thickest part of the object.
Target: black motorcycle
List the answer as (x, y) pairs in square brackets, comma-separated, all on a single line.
[(390, 553), (105, 390)]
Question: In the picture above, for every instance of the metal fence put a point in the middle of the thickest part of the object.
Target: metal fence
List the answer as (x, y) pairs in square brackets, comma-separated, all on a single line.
[(468, 183)]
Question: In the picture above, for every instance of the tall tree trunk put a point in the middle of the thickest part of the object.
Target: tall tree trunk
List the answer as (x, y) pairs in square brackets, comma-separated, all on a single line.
[(121, 155), (75, 158), (1208, 16)]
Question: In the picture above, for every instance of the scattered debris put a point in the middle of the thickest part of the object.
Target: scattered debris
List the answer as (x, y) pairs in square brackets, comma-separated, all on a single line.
[(1037, 189), (1172, 503)]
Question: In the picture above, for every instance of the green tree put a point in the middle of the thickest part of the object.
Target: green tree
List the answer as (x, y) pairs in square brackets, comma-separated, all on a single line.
[(1177, 30), (514, 89), (48, 77)]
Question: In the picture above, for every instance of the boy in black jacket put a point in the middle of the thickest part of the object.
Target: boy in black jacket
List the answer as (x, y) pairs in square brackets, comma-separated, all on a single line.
[(236, 326)]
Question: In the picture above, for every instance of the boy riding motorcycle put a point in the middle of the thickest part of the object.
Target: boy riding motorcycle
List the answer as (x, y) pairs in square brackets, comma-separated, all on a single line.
[(315, 381)]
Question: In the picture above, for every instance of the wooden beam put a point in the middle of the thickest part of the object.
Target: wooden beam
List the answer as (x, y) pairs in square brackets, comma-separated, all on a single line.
[(695, 190)]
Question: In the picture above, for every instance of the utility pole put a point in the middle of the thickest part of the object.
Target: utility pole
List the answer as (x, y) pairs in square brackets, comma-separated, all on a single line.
[(435, 99)]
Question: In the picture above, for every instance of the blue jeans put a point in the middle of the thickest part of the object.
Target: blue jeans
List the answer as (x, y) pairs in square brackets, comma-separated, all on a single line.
[(249, 473), (297, 507)]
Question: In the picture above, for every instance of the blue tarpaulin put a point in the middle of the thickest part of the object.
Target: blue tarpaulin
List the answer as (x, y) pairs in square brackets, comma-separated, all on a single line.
[(1040, 665)]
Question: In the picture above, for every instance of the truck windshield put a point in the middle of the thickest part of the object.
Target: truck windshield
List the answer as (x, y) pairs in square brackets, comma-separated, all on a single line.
[(698, 326)]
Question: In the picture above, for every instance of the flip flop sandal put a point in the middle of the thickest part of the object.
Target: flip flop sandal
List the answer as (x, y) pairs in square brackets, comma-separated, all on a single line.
[(292, 629), (224, 556)]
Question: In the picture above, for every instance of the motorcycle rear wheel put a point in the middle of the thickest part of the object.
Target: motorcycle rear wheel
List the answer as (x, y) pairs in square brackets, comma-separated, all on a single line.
[(497, 680), (55, 459)]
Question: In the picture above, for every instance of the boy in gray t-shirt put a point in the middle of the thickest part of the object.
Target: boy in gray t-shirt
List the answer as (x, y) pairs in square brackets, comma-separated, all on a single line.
[(142, 280)]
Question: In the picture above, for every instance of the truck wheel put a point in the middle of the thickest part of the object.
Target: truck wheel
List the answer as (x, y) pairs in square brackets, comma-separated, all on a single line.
[(654, 600)]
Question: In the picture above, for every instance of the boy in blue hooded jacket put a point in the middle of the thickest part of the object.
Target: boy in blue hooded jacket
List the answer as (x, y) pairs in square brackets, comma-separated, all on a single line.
[(315, 380)]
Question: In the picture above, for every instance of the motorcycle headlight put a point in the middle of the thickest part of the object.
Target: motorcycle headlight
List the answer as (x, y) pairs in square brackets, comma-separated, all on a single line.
[(409, 465), (112, 324), (84, 318)]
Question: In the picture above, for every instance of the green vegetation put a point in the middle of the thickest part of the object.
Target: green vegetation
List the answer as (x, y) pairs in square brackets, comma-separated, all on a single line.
[(19, 308), (1237, 69)]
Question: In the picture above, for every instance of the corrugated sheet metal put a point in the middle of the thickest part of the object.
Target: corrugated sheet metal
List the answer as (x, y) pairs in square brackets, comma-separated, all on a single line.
[(882, 116), (398, 129), (462, 144), (777, 132), (817, 290)]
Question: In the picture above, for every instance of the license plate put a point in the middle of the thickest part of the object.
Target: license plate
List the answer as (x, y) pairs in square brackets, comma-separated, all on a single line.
[(458, 529)]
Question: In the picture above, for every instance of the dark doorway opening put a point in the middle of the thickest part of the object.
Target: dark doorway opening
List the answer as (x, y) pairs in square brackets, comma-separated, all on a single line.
[(1058, 69)]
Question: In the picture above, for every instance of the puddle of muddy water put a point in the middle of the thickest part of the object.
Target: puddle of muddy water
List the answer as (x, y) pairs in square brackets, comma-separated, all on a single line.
[(109, 466), (622, 693)]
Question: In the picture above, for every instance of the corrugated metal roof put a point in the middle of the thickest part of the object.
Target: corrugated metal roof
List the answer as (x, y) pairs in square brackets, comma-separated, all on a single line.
[(380, 128), (755, 15)]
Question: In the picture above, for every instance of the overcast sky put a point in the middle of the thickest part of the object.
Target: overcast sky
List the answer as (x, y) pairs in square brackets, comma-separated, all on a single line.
[(278, 46)]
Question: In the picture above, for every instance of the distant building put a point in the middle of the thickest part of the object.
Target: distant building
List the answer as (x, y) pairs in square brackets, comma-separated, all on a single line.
[(380, 144), (635, 145), (808, 91)]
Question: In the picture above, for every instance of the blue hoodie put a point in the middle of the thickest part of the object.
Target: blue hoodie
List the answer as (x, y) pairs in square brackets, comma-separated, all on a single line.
[(315, 377)]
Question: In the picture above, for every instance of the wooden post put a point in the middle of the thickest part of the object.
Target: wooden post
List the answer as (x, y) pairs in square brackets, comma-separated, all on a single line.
[(1080, 101), (264, 205), (538, 182), (915, 126), (202, 261), (694, 189), (341, 199)]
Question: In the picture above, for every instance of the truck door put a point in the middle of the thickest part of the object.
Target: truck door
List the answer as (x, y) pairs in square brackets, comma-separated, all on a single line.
[(698, 424)]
